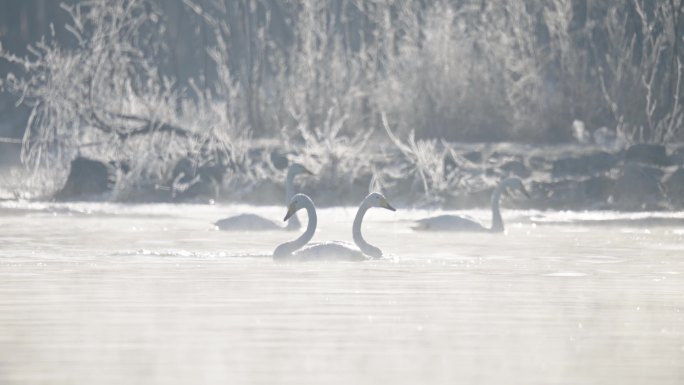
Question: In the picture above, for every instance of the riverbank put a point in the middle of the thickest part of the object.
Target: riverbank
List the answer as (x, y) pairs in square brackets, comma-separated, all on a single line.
[(450, 176)]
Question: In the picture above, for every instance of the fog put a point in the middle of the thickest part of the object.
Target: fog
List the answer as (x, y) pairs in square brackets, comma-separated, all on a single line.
[(113, 293), (507, 178)]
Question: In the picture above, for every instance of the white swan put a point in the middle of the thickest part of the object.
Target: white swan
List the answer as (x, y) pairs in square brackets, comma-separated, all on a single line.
[(253, 222), (339, 251), (457, 223)]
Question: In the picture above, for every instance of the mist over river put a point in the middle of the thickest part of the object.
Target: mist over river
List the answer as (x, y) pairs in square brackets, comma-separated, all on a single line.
[(111, 294)]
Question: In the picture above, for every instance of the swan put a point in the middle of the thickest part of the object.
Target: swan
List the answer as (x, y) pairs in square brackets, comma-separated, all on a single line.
[(457, 223), (339, 251), (253, 222)]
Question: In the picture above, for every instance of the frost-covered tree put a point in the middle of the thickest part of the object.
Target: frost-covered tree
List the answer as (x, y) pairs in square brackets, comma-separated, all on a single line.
[(104, 96)]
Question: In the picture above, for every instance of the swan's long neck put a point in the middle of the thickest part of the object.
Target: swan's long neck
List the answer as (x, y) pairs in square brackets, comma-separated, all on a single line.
[(292, 223), (497, 221), (365, 247), (286, 249)]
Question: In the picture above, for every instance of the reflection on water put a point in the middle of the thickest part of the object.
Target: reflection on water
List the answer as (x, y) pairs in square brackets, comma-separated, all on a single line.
[(107, 294)]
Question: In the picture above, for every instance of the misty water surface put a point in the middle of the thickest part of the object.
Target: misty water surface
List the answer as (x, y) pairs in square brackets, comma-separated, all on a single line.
[(123, 294)]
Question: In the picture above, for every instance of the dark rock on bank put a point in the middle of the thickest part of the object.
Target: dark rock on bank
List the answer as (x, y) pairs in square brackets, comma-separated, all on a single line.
[(88, 179), (573, 194), (591, 164), (653, 154), (473, 156), (638, 187), (674, 187)]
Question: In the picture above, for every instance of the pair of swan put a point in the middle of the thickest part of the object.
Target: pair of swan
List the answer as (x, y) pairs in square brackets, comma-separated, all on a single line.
[(253, 222), (335, 250), (298, 249)]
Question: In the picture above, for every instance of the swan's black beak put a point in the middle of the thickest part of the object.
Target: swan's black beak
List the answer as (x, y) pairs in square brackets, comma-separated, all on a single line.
[(307, 171), (290, 210), (386, 205)]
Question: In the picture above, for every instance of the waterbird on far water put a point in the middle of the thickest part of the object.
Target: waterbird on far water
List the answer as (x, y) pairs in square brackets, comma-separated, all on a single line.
[(457, 223), (253, 222), (330, 251)]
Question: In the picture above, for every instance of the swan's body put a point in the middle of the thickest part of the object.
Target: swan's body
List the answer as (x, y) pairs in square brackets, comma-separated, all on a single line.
[(449, 223), (458, 223), (254, 222), (338, 251), (247, 222), (328, 251)]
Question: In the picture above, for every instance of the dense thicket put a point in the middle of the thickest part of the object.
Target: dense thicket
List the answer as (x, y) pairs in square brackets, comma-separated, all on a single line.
[(203, 78)]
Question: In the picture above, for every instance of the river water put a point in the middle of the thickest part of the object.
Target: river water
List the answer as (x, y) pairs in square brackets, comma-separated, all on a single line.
[(154, 294)]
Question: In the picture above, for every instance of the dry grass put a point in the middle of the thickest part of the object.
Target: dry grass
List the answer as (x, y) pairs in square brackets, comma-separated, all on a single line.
[(323, 76)]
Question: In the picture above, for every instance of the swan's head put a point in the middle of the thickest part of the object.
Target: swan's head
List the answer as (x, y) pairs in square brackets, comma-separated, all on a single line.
[(516, 184), (378, 200), (298, 202), (298, 168)]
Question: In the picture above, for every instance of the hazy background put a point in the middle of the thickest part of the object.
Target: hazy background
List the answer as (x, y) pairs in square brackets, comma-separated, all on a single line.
[(245, 86)]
